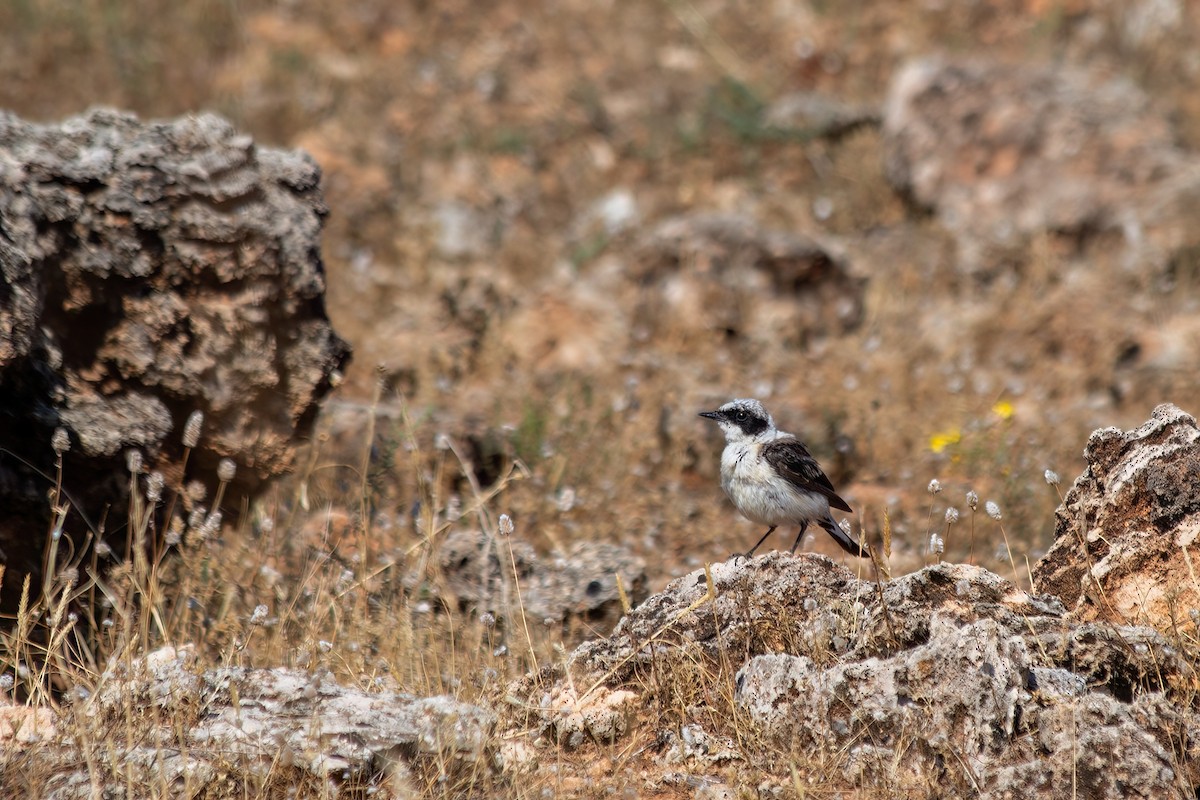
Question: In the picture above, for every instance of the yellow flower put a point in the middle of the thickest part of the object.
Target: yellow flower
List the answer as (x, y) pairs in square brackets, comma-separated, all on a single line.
[(1003, 409), (943, 439)]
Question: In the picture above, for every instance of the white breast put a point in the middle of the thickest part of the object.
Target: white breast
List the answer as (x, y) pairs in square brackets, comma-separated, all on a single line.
[(760, 494)]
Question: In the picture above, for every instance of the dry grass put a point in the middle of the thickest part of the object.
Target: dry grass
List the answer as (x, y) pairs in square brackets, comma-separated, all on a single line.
[(526, 346)]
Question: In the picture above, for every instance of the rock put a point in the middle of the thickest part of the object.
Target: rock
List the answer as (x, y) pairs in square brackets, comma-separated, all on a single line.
[(948, 681), (580, 583), (247, 720), (726, 272), (813, 114), (1004, 152), (1125, 536), (151, 270)]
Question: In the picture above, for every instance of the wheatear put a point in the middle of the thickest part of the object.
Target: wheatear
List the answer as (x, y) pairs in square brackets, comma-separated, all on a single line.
[(772, 478)]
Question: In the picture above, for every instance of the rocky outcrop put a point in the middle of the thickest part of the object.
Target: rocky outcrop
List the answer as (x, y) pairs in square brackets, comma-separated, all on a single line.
[(728, 273), (1125, 536), (151, 270), (946, 681), (1004, 152), (300, 726), (580, 583)]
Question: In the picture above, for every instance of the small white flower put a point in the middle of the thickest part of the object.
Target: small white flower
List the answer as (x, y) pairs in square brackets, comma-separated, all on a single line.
[(260, 614), (154, 487), (935, 486), (993, 510), (226, 470), (60, 441), (1051, 477), (506, 525), (972, 500), (951, 515), (191, 429)]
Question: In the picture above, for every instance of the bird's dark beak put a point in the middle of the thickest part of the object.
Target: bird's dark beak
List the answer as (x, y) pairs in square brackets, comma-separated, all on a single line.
[(711, 414)]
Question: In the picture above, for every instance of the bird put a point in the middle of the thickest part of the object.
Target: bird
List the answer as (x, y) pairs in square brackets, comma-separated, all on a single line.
[(772, 478)]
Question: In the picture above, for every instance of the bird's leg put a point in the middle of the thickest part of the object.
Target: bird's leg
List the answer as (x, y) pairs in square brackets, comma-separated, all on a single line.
[(770, 530), (800, 535)]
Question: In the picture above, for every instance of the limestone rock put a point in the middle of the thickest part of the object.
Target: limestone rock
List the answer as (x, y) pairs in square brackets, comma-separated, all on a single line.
[(581, 582), (727, 272), (1125, 536), (1004, 152), (946, 681), (150, 270), (255, 720)]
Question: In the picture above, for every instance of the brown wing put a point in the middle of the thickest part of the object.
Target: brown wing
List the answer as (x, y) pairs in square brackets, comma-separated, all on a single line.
[(791, 459)]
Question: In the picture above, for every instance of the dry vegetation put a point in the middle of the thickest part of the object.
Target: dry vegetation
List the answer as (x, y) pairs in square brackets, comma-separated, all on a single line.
[(473, 154)]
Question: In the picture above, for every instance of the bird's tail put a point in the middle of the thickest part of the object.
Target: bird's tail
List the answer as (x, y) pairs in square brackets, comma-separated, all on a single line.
[(845, 540)]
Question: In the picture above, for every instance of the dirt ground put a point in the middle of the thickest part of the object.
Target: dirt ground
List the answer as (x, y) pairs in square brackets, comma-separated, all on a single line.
[(493, 172)]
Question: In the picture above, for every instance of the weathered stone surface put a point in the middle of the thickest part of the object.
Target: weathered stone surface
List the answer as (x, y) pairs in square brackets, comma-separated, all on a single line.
[(259, 719), (1003, 152), (580, 583), (1125, 536), (727, 272), (151, 269), (946, 681)]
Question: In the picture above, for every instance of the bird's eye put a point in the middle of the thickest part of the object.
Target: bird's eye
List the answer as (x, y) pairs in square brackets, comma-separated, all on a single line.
[(740, 415)]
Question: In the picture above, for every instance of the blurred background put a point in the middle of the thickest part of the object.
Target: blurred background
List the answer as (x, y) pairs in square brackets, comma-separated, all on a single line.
[(558, 231)]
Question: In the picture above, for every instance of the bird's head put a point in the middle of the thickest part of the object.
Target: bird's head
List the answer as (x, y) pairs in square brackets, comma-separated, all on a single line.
[(742, 419)]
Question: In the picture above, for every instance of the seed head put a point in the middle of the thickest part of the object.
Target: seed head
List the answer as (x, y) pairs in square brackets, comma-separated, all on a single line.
[(972, 500), (935, 486), (103, 550), (260, 614), (6, 681), (993, 510), (133, 461), (60, 441), (212, 525), (936, 545), (1051, 477), (506, 525), (226, 470), (174, 532), (191, 429), (488, 619), (154, 487), (196, 491), (951, 515)]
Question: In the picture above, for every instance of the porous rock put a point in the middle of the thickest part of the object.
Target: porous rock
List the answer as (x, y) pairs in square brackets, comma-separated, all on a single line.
[(728, 272), (579, 583), (1125, 535), (1003, 152), (196, 726), (150, 270), (947, 681)]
